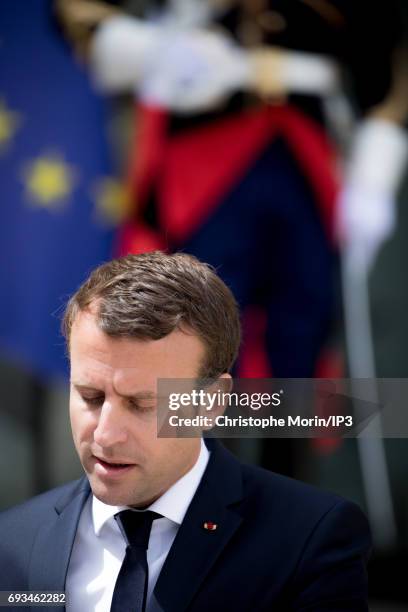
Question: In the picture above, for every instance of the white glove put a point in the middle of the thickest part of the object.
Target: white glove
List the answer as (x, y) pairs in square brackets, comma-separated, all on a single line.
[(120, 49), (367, 202), (193, 71)]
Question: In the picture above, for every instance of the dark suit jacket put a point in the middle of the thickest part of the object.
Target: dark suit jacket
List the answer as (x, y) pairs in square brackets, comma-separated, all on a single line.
[(280, 545)]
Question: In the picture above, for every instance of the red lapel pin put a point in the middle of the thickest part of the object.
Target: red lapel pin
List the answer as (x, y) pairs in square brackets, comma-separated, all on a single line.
[(210, 526)]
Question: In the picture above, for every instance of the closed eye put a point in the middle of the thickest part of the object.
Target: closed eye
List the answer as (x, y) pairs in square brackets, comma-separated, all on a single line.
[(142, 406), (94, 401)]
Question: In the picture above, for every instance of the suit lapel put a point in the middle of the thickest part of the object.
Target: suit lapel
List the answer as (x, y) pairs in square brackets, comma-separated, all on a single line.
[(195, 548), (53, 545)]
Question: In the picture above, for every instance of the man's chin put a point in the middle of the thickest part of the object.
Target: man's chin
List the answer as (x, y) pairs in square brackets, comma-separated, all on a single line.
[(110, 497), (115, 495)]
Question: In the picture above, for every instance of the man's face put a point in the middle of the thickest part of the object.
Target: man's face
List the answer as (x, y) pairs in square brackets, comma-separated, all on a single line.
[(113, 411)]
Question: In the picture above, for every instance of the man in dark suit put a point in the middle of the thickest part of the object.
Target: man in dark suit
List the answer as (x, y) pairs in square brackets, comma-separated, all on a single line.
[(172, 524)]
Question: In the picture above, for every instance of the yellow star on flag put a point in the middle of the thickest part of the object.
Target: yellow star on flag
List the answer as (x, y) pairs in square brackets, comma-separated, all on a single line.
[(112, 201), (9, 124), (49, 180)]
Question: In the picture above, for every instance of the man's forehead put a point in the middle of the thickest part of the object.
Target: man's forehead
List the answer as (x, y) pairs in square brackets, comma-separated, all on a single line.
[(96, 374), (95, 349)]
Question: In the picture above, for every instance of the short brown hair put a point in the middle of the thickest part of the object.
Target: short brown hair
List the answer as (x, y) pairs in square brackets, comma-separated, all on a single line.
[(149, 295)]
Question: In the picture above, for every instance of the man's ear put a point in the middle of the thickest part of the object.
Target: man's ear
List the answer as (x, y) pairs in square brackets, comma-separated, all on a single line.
[(217, 394), (226, 382)]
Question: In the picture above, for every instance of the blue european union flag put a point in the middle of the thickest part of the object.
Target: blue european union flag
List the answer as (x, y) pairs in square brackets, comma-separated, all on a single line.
[(58, 199)]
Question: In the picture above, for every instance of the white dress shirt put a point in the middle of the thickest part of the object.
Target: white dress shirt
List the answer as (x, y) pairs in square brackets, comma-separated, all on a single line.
[(99, 547)]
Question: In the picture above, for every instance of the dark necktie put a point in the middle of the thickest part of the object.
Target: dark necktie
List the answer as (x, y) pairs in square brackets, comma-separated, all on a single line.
[(130, 590)]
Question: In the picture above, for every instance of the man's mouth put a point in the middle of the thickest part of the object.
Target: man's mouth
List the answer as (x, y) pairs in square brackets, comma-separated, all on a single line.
[(110, 468)]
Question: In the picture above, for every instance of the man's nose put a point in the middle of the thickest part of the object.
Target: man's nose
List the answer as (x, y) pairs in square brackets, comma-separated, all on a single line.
[(111, 428)]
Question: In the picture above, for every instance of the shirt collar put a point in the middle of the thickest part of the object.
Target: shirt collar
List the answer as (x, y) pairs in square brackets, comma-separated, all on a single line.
[(173, 504)]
